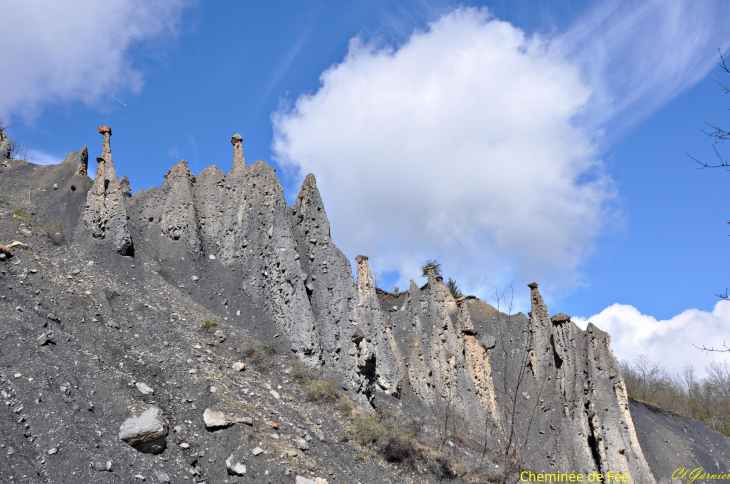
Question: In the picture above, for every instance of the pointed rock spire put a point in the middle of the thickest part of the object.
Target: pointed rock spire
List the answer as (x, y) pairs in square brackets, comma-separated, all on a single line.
[(370, 318), (83, 161), (238, 160), (106, 214), (179, 219), (125, 187), (540, 313), (179, 170)]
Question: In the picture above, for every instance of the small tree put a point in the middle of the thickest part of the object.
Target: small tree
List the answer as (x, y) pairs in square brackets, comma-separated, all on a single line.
[(431, 264), (454, 288)]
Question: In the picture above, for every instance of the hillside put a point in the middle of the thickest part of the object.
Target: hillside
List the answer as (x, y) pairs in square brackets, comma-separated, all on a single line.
[(113, 304)]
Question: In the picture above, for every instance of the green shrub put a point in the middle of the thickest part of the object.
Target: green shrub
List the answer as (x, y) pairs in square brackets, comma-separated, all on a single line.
[(453, 288), (209, 326), (431, 264)]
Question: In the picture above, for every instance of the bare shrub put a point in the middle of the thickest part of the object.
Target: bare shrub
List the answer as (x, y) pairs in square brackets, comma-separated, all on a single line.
[(259, 356), (704, 399)]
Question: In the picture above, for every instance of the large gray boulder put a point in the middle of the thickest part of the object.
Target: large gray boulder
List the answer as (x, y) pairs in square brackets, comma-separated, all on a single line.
[(146, 433)]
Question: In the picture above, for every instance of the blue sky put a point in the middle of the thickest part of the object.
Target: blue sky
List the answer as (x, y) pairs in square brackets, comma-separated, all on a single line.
[(512, 140)]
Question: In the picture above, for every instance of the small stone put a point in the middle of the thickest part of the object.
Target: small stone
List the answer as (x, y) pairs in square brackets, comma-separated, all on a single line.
[(303, 480), (273, 425), (302, 444), (238, 366), (98, 466), (219, 336), (292, 453), (213, 389), (16, 243), (5, 250), (140, 477), (184, 445), (357, 335), (108, 466), (17, 375), (234, 468), (245, 420), (55, 186), (192, 371), (215, 420), (274, 394), (52, 451), (144, 389), (257, 451), (162, 477), (195, 278), (352, 352), (45, 338), (211, 257)]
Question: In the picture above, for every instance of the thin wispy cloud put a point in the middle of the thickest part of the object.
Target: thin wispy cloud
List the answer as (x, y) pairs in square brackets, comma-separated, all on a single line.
[(286, 63), (76, 51), (638, 56)]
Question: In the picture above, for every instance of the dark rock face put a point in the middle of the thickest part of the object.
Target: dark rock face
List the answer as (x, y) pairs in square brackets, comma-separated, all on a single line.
[(671, 442), (227, 249)]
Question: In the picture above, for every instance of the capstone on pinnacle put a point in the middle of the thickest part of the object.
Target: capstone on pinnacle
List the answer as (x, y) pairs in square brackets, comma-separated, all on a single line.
[(560, 318), (238, 159)]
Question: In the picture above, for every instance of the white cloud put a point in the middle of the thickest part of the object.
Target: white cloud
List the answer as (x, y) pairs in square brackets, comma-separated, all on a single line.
[(459, 145), (42, 158), (75, 51), (477, 144), (668, 342)]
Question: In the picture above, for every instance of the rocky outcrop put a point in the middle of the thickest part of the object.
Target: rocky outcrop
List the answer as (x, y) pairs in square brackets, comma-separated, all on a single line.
[(374, 353), (274, 270), (78, 161), (5, 147), (106, 213)]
